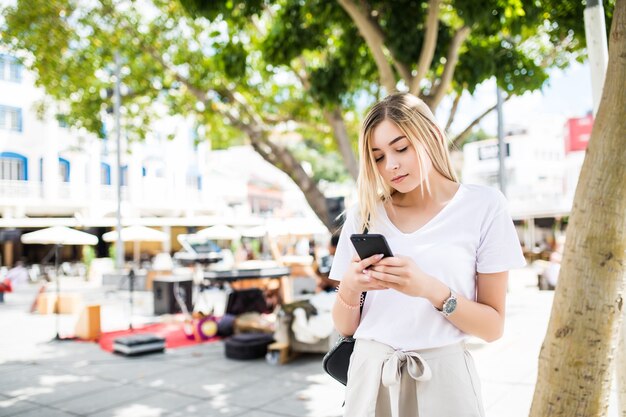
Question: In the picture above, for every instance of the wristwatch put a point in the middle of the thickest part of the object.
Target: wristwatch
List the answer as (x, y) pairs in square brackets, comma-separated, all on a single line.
[(449, 305)]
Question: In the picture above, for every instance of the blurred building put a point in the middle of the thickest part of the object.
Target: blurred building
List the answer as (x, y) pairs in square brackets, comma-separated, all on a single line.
[(51, 174), (542, 166)]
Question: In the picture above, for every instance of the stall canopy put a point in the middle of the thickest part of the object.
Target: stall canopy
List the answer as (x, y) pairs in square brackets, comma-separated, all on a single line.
[(219, 232), (59, 235), (136, 234)]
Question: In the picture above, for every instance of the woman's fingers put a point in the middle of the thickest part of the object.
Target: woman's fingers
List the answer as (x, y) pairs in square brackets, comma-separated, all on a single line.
[(392, 261), (365, 263), (383, 276)]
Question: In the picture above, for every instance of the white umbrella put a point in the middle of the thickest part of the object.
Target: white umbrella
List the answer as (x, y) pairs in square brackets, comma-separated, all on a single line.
[(257, 231), (58, 236), (296, 226), (219, 232), (136, 234)]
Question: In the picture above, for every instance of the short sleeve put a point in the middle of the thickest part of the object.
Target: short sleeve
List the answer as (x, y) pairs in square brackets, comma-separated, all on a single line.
[(499, 249), (344, 251)]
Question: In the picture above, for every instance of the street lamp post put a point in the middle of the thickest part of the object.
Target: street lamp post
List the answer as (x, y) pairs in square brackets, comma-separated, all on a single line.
[(597, 49), (119, 245)]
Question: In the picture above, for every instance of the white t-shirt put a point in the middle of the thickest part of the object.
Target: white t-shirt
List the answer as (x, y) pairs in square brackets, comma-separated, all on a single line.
[(472, 233)]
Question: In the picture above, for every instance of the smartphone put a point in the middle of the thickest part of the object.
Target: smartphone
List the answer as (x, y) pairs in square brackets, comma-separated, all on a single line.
[(367, 245)]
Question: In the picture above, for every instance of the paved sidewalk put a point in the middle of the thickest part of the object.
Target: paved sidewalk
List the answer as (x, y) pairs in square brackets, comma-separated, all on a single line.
[(44, 378)]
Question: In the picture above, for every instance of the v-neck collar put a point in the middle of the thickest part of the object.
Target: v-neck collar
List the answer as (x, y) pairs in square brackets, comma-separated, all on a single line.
[(432, 220)]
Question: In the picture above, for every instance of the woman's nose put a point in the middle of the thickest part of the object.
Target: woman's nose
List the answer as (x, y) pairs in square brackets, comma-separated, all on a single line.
[(392, 164)]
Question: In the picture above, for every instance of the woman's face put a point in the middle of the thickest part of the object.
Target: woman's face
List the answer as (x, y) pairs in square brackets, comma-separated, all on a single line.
[(396, 158)]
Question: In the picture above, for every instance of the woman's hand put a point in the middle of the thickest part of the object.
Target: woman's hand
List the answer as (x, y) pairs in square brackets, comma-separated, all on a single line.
[(356, 280), (401, 274)]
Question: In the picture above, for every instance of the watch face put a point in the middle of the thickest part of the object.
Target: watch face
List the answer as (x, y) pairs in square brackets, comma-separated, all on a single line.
[(449, 306)]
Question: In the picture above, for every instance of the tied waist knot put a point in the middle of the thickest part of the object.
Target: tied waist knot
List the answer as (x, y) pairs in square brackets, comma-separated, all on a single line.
[(416, 367)]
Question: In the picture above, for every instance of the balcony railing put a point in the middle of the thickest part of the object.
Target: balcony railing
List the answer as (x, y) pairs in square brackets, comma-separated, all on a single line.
[(19, 190), (154, 193)]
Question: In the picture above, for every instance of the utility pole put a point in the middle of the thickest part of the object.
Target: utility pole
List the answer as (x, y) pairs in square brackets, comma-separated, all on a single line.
[(597, 49), (119, 245), (501, 144)]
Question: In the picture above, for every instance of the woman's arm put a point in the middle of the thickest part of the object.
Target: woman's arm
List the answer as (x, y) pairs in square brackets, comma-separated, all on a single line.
[(347, 311), (483, 318)]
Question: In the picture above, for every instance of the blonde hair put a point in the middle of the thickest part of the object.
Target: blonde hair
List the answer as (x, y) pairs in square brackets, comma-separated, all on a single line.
[(413, 117)]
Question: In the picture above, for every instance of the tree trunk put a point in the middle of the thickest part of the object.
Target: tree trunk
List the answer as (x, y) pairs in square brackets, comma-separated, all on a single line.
[(283, 159), (335, 119), (620, 371), (575, 362)]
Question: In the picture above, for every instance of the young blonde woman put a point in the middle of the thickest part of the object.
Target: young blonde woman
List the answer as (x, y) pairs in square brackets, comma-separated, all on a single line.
[(453, 246)]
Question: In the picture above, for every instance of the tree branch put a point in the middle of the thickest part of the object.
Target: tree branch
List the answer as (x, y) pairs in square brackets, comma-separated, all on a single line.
[(404, 71), (375, 41), (452, 60), (458, 141), (455, 107), (335, 120), (428, 46)]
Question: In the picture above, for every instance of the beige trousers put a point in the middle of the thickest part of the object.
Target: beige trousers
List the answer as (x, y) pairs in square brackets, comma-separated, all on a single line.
[(440, 382)]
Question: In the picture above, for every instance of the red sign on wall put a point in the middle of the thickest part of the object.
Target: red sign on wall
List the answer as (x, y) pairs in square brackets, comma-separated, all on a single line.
[(577, 133)]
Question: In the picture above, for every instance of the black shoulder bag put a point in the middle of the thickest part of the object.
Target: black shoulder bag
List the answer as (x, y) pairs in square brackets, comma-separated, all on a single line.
[(337, 360)]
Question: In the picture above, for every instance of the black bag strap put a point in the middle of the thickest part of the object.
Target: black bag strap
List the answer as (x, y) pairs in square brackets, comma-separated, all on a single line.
[(365, 231)]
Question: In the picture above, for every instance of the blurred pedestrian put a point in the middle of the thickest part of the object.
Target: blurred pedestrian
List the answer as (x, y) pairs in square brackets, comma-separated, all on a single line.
[(324, 283), (453, 246), (15, 277)]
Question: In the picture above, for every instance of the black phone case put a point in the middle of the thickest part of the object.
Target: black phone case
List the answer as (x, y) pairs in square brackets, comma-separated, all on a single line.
[(367, 245)]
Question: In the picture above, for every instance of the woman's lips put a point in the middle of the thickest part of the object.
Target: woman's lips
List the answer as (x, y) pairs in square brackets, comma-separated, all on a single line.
[(399, 178)]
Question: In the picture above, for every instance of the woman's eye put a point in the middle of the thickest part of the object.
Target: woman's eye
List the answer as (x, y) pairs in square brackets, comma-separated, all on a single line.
[(380, 158), (403, 149)]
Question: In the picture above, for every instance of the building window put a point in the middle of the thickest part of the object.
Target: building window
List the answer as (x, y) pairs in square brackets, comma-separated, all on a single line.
[(11, 118), (192, 180), (124, 175), (105, 174), (10, 69), (13, 167), (64, 170)]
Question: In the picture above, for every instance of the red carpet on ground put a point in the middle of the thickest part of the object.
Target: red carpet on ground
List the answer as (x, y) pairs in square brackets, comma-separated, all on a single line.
[(172, 332)]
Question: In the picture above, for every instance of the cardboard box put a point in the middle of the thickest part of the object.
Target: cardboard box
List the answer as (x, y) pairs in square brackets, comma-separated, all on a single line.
[(69, 303), (46, 303), (88, 325)]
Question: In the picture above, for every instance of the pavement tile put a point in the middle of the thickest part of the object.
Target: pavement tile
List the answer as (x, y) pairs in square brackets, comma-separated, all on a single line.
[(261, 413), (44, 412), (262, 393), (53, 389), (202, 383), (314, 400), (10, 406), (514, 403), (155, 405), (94, 402), (126, 369), (18, 378), (206, 409)]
